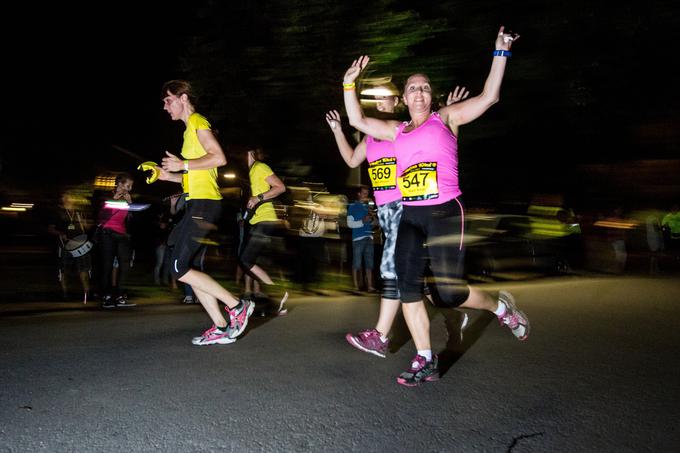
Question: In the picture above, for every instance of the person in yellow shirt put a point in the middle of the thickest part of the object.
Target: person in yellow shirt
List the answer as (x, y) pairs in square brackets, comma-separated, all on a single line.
[(196, 170), (260, 213)]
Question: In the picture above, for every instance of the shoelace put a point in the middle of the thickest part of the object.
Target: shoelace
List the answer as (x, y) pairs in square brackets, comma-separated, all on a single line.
[(419, 363), (233, 316), (510, 320), (209, 331)]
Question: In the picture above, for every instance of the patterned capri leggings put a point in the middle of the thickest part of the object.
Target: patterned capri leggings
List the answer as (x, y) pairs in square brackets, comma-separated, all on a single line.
[(389, 216)]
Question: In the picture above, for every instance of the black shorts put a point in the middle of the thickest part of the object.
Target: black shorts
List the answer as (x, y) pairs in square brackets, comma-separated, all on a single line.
[(188, 236), (259, 239), (434, 235)]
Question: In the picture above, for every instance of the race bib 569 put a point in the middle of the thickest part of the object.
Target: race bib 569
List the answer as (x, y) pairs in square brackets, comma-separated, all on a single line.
[(383, 173)]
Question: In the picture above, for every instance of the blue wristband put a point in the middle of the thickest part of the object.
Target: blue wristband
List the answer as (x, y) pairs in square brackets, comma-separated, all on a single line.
[(502, 53)]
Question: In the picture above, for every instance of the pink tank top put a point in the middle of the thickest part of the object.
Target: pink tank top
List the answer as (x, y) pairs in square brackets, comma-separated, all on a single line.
[(116, 221), (382, 170), (427, 163)]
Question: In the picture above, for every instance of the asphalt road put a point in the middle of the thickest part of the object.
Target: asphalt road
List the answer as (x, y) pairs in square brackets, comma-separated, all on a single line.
[(599, 373)]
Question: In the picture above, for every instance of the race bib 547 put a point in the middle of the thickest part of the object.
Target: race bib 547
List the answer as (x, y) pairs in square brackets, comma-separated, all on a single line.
[(419, 182)]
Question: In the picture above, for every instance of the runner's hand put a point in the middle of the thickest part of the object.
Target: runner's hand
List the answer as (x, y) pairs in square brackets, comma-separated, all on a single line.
[(252, 201), (167, 176), (505, 39), (172, 163), (333, 120), (457, 95), (355, 69)]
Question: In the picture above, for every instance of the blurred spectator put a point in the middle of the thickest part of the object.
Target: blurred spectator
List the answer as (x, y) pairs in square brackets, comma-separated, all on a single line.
[(114, 242), (311, 244), (360, 218), (616, 230), (70, 226), (161, 269), (671, 228), (654, 241)]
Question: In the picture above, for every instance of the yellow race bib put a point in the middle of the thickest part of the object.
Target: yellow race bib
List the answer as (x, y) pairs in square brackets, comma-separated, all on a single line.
[(419, 182), (383, 173)]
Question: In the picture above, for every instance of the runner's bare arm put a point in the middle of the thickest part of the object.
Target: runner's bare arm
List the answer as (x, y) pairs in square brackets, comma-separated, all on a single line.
[(353, 157), (381, 129)]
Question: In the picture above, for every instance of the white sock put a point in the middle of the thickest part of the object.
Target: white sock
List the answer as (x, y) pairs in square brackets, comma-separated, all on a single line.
[(500, 310), (383, 338), (427, 353)]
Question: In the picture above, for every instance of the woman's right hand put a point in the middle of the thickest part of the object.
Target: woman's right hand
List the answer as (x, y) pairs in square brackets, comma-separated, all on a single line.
[(355, 69), (333, 120)]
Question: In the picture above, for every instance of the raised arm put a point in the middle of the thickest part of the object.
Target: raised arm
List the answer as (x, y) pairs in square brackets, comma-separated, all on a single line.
[(381, 129), (467, 111), (353, 157)]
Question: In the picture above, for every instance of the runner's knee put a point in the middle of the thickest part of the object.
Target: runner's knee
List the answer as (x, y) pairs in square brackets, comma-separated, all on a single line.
[(390, 289)]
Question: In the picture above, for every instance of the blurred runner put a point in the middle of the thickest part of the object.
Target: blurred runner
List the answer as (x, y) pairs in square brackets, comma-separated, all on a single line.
[(264, 224)]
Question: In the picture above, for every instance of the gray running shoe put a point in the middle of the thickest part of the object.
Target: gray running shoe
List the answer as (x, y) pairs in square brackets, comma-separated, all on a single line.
[(239, 320), (514, 318)]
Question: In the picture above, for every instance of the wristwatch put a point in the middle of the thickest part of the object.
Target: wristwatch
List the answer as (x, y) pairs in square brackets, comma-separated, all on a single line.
[(260, 197)]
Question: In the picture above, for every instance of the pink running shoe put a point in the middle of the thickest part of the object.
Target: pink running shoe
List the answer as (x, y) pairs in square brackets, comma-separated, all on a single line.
[(212, 336), (420, 371), (369, 341), (239, 320), (514, 318)]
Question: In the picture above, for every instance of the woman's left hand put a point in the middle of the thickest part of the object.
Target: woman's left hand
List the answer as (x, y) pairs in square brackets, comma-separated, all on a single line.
[(172, 163), (504, 40), (457, 95)]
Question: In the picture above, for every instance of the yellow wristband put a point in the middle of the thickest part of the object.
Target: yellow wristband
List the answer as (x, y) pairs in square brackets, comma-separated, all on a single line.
[(348, 86)]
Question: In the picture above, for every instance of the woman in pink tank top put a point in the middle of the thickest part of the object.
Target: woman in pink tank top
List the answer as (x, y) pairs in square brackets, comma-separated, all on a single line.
[(382, 170), (431, 227), (382, 173), (114, 243)]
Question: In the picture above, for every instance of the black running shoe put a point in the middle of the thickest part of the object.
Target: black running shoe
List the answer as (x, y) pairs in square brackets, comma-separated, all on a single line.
[(420, 371), (122, 301), (108, 302)]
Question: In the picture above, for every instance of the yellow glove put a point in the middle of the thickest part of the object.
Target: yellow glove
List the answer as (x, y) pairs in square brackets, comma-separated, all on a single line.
[(150, 166)]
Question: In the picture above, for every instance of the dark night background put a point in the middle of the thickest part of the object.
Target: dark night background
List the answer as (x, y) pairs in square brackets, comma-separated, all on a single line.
[(589, 86)]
